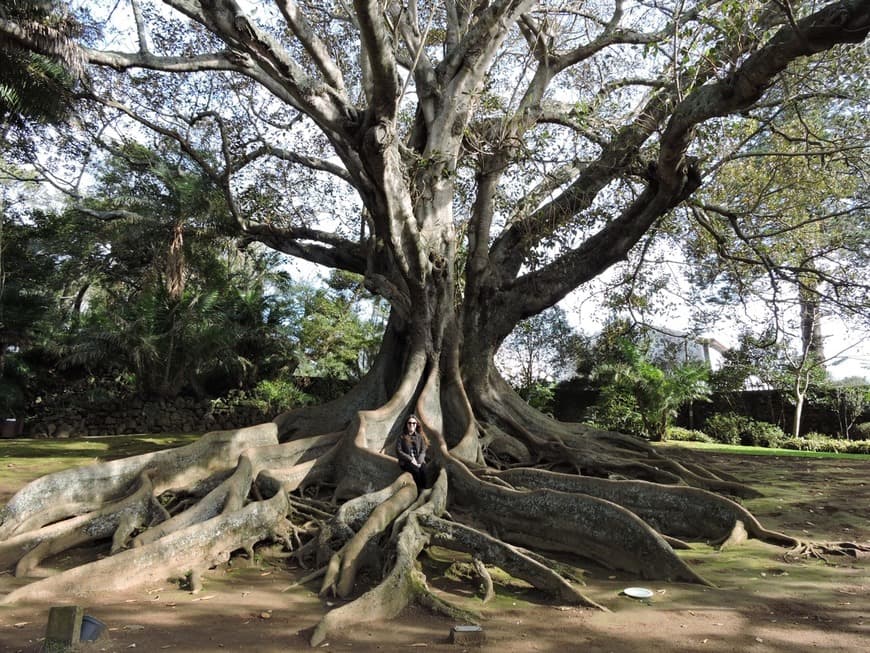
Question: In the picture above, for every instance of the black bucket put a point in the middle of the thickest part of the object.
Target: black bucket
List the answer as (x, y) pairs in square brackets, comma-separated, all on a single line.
[(92, 628)]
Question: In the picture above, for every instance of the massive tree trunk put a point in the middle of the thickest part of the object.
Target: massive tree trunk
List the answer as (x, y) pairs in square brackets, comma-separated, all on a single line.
[(509, 484)]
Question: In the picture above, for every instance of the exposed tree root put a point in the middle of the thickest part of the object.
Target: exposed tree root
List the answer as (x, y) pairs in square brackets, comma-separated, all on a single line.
[(822, 550), (341, 572), (29, 547), (485, 579), (85, 489), (116, 520), (559, 521), (673, 510), (488, 549), (402, 584), (226, 497), (196, 547)]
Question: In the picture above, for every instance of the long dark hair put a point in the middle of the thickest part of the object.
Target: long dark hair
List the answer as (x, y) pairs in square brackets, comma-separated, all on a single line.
[(419, 429)]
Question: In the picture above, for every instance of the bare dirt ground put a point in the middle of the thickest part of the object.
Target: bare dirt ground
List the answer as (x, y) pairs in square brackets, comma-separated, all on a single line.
[(761, 603)]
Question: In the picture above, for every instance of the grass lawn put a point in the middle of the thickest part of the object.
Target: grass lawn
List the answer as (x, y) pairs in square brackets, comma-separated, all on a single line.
[(761, 451)]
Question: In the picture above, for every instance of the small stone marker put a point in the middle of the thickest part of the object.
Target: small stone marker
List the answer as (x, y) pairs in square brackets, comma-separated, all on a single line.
[(64, 628), (467, 635)]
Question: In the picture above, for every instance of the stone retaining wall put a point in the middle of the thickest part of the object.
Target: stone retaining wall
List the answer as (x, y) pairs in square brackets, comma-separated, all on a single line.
[(181, 415)]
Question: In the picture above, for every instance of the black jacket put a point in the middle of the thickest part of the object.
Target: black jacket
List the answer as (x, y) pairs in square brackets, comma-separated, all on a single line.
[(411, 448)]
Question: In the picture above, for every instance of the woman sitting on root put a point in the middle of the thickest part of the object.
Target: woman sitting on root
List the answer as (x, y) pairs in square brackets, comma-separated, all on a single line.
[(411, 450)]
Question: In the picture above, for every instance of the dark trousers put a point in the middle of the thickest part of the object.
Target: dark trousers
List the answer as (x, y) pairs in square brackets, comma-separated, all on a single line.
[(419, 474)]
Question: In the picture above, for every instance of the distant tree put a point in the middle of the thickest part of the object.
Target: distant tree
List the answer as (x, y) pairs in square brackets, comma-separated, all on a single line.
[(334, 339), (850, 398), (28, 296), (770, 360), (538, 352), (604, 347), (35, 87), (792, 187), (149, 292)]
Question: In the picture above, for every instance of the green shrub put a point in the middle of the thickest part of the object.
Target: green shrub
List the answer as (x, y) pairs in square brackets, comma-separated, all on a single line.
[(679, 434), (617, 414), (540, 396), (809, 442), (281, 394), (726, 427), (731, 428), (796, 444), (822, 442), (861, 431), (762, 434), (818, 442), (858, 446)]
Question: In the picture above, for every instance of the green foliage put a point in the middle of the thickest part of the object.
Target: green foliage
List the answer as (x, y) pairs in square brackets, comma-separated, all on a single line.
[(281, 394), (766, 358), (849, 399), (173, 301), (205, 342), (797, 207), (679, 434), (726, 427), (32, 87), (333, 338), (617, 412), (122, 305), (148, 297), (862, 431), (271, 396), (36, 87), (652, 392), (28, 286), (731, 428), (763, 356), (822, 443), (858, 446), (604, 348), (13, 381), (763, 434), (540, 396)]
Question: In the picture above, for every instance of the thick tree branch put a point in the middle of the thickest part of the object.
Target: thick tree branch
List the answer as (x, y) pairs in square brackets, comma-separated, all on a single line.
[(511, 248), (466, 66), (538, 290), (847, 21), (226, 61), (312, 44), (324, 248), (378, 47), (310, 162), (844, 22), (263, 59)]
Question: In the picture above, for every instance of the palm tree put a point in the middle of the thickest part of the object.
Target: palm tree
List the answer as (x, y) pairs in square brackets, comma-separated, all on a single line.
[(39, 61), (655, 393)]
